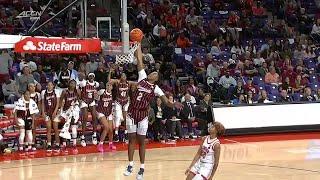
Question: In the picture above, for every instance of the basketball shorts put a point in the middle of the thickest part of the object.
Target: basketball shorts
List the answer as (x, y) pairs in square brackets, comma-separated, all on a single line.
[(101, 115), (66, 114), (202, 169), (140, 128), (118, 112), (26, 123), (85, 105)]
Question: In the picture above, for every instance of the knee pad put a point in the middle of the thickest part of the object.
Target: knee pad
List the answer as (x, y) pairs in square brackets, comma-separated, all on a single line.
[(74, 131), (28, 124), (22, 136), (29, 136)]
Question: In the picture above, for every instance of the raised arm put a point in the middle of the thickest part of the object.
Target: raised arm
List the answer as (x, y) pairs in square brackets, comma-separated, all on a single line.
[(139, 56)]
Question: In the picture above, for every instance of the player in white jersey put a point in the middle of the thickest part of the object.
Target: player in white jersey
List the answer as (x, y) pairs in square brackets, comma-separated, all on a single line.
[(205, 162)]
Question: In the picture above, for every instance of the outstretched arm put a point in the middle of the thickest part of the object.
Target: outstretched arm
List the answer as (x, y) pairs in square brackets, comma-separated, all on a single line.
[(139, 56)]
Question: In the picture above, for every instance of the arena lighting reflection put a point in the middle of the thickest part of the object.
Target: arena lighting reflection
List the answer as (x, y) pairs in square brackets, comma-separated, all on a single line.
[(313, 150), (267, 115)]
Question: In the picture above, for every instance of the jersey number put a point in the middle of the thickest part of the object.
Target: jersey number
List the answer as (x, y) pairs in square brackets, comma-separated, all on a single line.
[(49, 102), (123, 94), (90, 95), (139, 96), (105, 104)]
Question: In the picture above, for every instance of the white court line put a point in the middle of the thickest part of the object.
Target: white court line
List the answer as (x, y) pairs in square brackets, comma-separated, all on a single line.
[(237, 142)]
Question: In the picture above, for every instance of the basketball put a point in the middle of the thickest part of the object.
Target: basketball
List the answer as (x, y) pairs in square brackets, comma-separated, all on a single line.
[(136, 35)]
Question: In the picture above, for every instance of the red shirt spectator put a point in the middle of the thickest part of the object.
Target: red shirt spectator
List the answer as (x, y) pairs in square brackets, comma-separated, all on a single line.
[(182, 41), (199, 64), (289, 73), (250, 87), (233, 19), (258, 10)]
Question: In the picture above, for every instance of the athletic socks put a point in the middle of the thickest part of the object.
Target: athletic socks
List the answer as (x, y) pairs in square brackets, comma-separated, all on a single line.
[(142, 166), (131, 163)]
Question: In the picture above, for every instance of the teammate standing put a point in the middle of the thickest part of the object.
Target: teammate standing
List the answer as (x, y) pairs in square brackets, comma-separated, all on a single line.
[(137, 117), (104, 114), (88, 91), (36, 97), (122, 100), (205, 162), (50, 104), (68, 99)]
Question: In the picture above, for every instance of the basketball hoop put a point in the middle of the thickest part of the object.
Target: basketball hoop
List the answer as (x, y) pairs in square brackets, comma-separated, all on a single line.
[(116, 48)]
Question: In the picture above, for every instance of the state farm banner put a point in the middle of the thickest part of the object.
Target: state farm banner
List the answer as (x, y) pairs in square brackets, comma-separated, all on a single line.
[(58, 45)]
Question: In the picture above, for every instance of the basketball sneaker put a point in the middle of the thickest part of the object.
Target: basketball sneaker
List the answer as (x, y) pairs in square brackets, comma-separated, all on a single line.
[(20, 148), (128, 171), (112, 147), (100, 147), (94, 140), (83, 142), (140, 174), (34, 148), (49, 149), (56, 148), (116, 138), (74, 150)]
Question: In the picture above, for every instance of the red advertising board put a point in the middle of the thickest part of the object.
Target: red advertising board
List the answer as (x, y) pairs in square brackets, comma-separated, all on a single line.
[(58, 45)]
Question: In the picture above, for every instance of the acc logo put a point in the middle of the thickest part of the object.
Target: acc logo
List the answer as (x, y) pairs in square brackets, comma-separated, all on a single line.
[(29, 46)]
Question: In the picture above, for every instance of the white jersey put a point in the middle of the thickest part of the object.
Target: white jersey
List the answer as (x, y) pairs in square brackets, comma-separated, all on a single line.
[(207, 150)]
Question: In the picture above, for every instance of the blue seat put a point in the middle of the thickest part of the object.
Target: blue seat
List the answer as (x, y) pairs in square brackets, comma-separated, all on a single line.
[(314, 86), (313, 79), (297, 96), (271, 89), (257, 80), (272, 97), (230, 91), (261, 87)]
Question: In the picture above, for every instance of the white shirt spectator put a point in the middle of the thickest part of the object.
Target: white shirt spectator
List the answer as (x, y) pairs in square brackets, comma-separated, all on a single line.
[(91, 66), (32, 65), (315, 29), (237, 50), (258, 61), (193, 99), (226, 82), (156, 30), (213, 71), (215, 50)]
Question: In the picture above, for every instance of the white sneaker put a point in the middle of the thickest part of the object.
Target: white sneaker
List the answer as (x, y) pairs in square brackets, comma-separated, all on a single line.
[(128, 171), (140, 174), (94, 140), (83, 143)]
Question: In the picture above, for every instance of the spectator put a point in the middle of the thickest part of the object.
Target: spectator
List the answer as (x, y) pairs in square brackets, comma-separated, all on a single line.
[(160, 125), (25, 78), (205, 113), (272, 77), (233, 20), (74, 73), (299, 84), (5, 65), (40, 76), (263, 98), (174, 116), (215, 49), (251, 48), (237, 49), (182, 41), (249, 69), (192, 87), (213, 70), (307, 95), (200, 68), (10, 91), (240, 100), (192, 18), (92, 65), (258, 10), (249, 98), (238, 90), (286, 85), (317, 95), (263, 70), (157, 30), (284, 97), (192, 98), (250, 87), (189, 113), (258, 61), (299, 53), (226, 80), (315, 33), (101, 74), (27, 62), (179, 90)]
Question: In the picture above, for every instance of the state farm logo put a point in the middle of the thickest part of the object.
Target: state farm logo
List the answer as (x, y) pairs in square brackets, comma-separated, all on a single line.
[(44, 46)]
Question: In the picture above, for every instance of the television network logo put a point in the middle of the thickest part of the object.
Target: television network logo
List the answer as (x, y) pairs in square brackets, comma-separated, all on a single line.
[(30, 14)]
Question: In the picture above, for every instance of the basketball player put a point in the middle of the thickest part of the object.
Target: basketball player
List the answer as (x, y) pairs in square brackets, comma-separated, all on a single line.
[(137, 117), (88, 91), (68, 100), (205, 162), (122, 100), (50, 105), (104, 114), (24, 111), (37, 99)]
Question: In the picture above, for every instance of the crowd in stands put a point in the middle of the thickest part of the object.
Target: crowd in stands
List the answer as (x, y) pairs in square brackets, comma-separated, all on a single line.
[(229, 51)]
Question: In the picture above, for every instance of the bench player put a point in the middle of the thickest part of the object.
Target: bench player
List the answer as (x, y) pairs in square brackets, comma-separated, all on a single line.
[(138, 110), (34, 95)]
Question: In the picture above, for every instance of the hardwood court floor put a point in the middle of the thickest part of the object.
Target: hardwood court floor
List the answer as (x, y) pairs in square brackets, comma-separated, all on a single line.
[(266, 160)]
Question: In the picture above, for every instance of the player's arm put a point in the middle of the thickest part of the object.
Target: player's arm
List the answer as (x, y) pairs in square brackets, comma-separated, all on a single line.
[(61, 102), (216, 158), (57, 106), (42, 104), (139, 56), (110, 80), (196, 157)]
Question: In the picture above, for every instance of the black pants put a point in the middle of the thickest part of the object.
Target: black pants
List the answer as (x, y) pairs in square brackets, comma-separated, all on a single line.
[(176, 128), (160, 128), (189, 123)]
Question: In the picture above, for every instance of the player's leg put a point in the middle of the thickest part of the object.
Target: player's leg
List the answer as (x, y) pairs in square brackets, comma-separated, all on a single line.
[(56, 122), (29, 134), (74, 134), (22, 133), (124, 115), (33, 131), (141, 136), (84, 111), (110, 133), (103, 120), (49, 130), (94, 123), (190, 176), (131, 147), (117, 121)]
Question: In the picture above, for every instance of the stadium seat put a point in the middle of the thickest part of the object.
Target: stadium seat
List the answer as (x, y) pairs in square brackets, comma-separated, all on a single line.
[(257, 80), (296, 97)]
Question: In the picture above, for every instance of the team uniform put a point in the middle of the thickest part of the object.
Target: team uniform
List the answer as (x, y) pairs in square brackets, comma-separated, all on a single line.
[(36, 97), (50, 102), (64, 78), (105, 104), (204, 166), (25, 110), (122, 101), (69, 99), (87, 93), (137, 117)]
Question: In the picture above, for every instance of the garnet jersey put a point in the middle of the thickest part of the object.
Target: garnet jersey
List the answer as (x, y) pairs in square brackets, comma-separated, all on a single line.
[(207, 150), (122, 93), (36, 97), (69, 98), (87, 90), (141, 98), (25, 109), (104, 102), (50, 100)]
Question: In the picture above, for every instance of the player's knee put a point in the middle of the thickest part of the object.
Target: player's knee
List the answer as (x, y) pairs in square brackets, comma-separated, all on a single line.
[(198, 177)]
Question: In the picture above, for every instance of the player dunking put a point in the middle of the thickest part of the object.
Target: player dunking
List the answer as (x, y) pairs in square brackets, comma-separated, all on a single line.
[(137, 117), (104, 114), (88, 91), (122, 100), (205, 162), (50, 105)]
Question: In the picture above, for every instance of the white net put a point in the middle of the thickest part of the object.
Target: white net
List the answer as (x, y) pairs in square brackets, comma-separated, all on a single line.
[(115, 48)]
